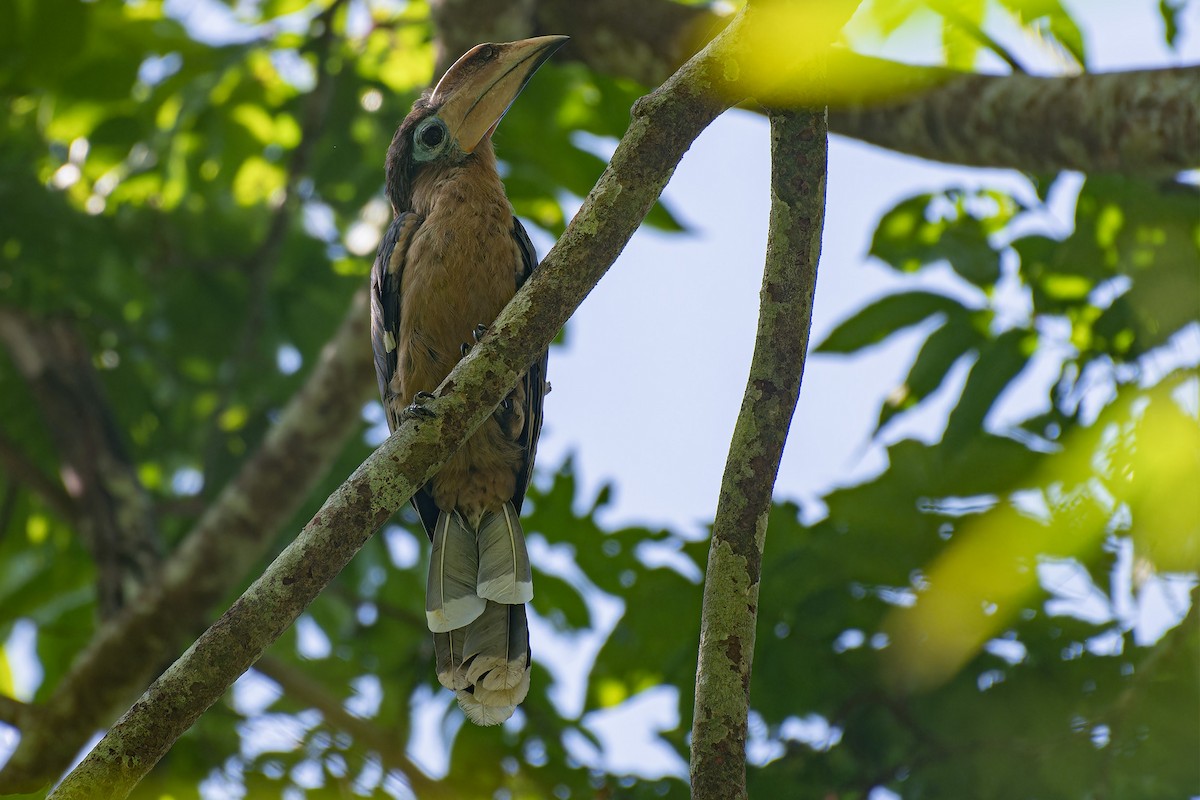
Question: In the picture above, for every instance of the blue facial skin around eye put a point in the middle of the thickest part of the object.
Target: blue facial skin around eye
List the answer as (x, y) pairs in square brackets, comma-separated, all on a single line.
[(429, 139)]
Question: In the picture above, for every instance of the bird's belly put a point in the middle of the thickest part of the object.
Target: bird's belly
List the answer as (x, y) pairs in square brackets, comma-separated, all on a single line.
[(454, 281)]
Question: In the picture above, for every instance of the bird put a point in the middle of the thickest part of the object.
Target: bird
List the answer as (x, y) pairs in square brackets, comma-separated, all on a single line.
[(451, 259)]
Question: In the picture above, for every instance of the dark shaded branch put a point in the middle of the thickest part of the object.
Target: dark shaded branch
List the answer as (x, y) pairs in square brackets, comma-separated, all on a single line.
[(261, 263), (730, 607), (459, 25), (24, 471), (8, 506), (644, 41), (226, 542), (389, 744), (663, 126), (113, 514), (16, 713)]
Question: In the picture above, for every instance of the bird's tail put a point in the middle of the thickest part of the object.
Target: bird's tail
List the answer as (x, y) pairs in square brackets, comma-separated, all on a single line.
[(487, 663), (479, 582)]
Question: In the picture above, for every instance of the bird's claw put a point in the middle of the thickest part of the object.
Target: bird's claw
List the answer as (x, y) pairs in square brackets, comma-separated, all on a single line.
[(417, 409), (477, 333)]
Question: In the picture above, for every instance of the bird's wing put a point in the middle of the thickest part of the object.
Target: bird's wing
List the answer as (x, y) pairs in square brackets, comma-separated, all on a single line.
[(387, 273), (535, 377)]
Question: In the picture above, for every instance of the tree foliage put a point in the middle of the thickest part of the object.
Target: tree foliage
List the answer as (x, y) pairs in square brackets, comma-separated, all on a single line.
[(197, 207)]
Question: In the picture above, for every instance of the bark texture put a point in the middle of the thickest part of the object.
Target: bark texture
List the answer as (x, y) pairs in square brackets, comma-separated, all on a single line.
[(1140, 122), (799, 148)]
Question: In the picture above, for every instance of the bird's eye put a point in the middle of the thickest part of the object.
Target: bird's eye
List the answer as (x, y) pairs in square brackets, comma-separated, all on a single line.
[(432, 135)]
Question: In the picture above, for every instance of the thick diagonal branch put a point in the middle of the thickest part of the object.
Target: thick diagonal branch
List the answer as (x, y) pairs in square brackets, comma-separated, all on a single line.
[(730, 606), (663, 126)]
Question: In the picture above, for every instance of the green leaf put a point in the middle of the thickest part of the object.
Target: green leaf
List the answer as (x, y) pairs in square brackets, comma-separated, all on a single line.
[(1050, 18), (1000, 361), (953, 226), (962, 23), (1143, 230), (885, 317), (662, 218), (560, 602), (890, 16), (279, 8), (1170, 11), (941, 351)]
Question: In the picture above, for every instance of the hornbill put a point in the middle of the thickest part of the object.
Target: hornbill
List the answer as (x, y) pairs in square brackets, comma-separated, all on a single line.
[(451, 259)]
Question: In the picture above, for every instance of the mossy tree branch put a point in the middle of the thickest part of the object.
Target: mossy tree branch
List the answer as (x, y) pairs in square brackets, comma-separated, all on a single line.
[(729, 613)]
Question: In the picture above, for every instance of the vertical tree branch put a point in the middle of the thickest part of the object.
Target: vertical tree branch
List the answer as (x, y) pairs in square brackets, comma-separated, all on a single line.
[(730, 607)]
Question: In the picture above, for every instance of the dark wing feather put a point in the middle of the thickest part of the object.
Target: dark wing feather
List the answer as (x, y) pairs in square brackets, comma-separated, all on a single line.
[(535, 378), (387, 275)]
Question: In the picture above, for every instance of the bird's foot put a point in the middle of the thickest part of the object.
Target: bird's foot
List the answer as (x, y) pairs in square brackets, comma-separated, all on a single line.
[(417, 409), (476, 334)]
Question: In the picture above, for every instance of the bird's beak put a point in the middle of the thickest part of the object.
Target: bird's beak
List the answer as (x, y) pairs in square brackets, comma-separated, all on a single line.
[(474, 94)]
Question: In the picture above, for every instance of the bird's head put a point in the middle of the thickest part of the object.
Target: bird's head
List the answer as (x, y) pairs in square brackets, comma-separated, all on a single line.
[(448, 123)]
